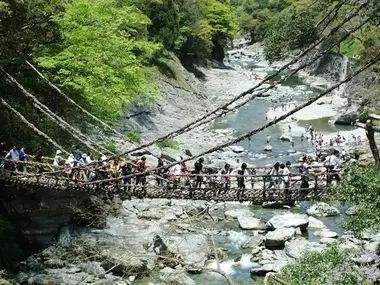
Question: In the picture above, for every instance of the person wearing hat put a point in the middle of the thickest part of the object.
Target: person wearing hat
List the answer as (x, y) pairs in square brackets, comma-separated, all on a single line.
[(57, 159)]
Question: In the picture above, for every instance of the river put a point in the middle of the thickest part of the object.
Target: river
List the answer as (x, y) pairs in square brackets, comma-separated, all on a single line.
[(253, 115)]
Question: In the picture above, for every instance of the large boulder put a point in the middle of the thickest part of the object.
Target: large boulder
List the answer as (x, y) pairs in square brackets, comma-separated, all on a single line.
[(233, 214), (261, 271), (172, 276), (192, 249), (253, 241), (278, 237), (236, 148), (326, 233), (250, 223), (286, 138), (322, 210), (316, 224), (347, 119), (288, 220), (296, 247)]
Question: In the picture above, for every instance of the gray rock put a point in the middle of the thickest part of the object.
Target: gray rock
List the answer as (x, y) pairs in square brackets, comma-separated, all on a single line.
[(316, 224), (172, 276), (326, 233), (253, 242), (351, 211), (322, 210), (250, 223), (298, 246), (279, 264), (171, 154), (236, 148), (191, 248), (92, 268), (235, 213), (121, 263), (363, 260), (347, 119), (288, 220), (327, 241), (278, 237), (261, 271)]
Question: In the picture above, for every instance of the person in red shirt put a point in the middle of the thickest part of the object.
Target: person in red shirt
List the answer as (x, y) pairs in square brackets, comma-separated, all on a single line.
[(140, 178)]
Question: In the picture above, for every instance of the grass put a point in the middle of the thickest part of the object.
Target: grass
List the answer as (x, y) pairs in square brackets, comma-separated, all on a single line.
[(111, 147), (134, 136), (168, 143)]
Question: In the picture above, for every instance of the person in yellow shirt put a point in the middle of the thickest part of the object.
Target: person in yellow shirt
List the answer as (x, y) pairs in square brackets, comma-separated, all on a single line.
[(115, 168)]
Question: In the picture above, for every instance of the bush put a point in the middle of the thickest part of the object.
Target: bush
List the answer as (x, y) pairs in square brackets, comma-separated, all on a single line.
[(3, 280), (133, 136), (332, 266), (360, 186), (111, 147), (168, 143)]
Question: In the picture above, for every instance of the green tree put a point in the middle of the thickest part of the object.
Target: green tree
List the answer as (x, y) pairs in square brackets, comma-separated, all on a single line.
[(102, 54), (164, 15), (360, 186), (290, 30)]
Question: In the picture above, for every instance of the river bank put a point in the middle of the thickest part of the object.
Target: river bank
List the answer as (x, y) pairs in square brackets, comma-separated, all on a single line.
[(157, 241)]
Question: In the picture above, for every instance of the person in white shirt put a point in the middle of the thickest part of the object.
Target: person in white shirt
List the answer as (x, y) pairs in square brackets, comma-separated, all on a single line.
[(176, 170), (334, 167), (57, 159)]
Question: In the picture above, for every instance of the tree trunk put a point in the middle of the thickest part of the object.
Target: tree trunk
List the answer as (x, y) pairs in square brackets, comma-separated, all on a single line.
[(370, 133)]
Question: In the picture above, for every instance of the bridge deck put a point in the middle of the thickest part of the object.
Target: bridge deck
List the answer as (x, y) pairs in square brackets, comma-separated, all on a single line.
[(259, 188)]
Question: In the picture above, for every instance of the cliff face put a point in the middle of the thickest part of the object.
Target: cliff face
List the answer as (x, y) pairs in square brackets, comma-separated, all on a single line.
[(37, 213)]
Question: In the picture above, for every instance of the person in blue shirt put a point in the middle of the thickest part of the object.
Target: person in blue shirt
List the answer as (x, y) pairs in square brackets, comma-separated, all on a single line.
[(24, 158), (14, 155)]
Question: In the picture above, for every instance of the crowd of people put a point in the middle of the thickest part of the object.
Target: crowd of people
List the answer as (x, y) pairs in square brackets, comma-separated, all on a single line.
[(133, 173)]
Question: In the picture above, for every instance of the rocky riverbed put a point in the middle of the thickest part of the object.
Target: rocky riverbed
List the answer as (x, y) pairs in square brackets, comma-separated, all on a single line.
[(167, 241)]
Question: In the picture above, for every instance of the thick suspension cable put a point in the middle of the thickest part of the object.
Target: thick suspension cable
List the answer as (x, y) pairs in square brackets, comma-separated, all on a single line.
[(104, 124), (30, 125), (63, 124), (369, 63), (56, 88)]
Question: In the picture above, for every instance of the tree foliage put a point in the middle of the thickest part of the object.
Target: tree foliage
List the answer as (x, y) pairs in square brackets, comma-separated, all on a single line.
[(332, 266), (360, 186), (102, 53), (291, 29)]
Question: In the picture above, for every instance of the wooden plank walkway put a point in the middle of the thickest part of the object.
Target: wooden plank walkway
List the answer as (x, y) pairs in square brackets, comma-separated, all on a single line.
[(258, 188)]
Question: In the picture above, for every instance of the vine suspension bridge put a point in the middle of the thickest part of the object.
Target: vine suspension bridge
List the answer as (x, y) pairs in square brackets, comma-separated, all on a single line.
[(258, 187)]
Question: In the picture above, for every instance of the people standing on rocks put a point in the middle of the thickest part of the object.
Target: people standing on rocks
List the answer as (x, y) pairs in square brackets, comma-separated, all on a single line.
[(198, 169), (24, 159), (302, 137)]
